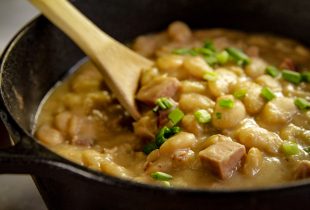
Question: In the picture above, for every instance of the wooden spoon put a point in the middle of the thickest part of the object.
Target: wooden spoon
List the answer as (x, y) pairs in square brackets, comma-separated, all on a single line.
[(120, 66)]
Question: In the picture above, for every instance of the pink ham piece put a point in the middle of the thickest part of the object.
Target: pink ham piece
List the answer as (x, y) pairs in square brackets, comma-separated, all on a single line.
[(223, 158), (159, 87), (288, 63), (303, 170)]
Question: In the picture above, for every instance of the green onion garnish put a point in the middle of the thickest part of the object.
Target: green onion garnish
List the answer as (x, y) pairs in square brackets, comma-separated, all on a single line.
[(307, 149), (149, 148), (222, 57), (184, 51), (211, 60), (209, 45), (174, 130), (239, 94), (164, 133), (267, 94), (302, 104), (164, 103), (218, 115), (161, 176), (272, 71), (291, 76), (289, 148), (160, 137), (202, 116), (176, 116), (305, 76), (226, 103), (238, 55), (210, 76), (204, 51), (155, 109)]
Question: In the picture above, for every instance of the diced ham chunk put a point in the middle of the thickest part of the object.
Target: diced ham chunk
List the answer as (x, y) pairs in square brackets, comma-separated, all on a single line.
[(145, 127), (159, 87), (82, 141), (222, 158), (162, 118), (288, 63), (303, 170)]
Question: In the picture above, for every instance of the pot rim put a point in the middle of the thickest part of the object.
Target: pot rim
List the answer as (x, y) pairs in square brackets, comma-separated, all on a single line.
[(96, 176)]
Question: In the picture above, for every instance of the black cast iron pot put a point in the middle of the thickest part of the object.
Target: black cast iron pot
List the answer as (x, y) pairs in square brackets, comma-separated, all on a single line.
[(40, 54)]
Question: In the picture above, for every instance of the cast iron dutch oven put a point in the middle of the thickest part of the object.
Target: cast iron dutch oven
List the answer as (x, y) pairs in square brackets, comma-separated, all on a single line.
[(40, 54)]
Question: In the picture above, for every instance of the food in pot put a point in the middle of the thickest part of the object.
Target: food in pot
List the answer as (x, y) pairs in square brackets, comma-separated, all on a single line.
[(220, 109)]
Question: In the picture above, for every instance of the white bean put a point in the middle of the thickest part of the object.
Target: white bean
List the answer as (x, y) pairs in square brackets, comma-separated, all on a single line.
[(251, 135), (228, 117), (223, 84), (191, 102), (253, 101), (255, 68), (49, 135), (278, 112), (190, 124), (182, 140), (253, 162), (188, 86), (196, 66), (179, 31), (169, 62), (268, 81)]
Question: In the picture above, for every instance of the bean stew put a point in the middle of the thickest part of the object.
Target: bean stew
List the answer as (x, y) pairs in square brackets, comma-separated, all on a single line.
[(220, 109)]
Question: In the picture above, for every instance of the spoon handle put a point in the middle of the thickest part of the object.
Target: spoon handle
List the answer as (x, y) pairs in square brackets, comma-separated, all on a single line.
[(120, 66)]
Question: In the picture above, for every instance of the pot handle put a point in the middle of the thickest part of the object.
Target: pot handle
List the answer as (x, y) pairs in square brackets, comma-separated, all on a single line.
[(24, 157)]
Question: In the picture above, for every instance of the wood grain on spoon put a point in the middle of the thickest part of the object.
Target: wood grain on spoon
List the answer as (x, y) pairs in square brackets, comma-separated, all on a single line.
[(120, 66)]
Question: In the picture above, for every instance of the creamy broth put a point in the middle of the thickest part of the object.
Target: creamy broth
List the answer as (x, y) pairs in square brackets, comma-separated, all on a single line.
[(229, 112)]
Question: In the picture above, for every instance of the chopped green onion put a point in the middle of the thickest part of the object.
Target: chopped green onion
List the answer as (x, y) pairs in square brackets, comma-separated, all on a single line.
[(175, 130), (164, 103), (305, 76), (176, 116), (202, 116), (289, 148), (210, 76), (272, 71), (307, 149), (239, 94), (149, 148), (226, 103), (162, 136), (161, 176), (302, 104), (218, 115), (211, 60), (164, 133), (222, 57), (291, 76), (184, 51), (267, 94), (238, 55), (204, 51), (209, 45), (155, 109)]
